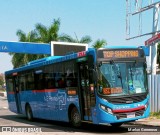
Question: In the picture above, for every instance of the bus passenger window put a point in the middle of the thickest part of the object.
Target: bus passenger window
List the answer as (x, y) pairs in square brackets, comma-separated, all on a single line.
[(50, 84), (71, 74), (22, 82), (61, 83), (22, 86), (40, 81), (29, 77)]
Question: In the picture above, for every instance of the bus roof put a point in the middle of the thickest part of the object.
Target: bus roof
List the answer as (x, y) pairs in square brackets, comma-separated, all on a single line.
[(121, 47), (54, 59), (49, 60)]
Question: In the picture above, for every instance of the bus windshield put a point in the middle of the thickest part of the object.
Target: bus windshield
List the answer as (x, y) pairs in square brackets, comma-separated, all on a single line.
[(122, 78)]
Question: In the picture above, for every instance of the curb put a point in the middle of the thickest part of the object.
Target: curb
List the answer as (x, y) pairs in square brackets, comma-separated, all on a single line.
[(147, 122), (150, 123)]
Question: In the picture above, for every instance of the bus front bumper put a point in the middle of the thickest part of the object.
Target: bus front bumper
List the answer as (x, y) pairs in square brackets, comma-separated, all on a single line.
[(107, 118)]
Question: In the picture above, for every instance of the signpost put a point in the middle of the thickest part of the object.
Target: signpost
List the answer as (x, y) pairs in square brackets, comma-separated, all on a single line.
[(63, 48), (152, 43), (153, 40), (25, 47)]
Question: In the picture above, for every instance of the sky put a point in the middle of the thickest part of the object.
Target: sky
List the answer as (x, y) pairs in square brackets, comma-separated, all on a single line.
[(100, 19)]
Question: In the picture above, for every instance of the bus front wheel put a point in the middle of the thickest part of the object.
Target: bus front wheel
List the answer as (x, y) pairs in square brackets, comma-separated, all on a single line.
[(29, 113), (75, 117)]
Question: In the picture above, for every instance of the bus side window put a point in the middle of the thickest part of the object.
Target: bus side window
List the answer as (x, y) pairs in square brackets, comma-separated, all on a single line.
[(9, 84), (61, 82), (71, 74), (50, 83), (22, 82), (49, 77), (40, 81), (22, 86)]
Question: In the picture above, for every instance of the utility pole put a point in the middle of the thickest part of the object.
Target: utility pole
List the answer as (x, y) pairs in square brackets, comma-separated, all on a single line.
[(153, 48)]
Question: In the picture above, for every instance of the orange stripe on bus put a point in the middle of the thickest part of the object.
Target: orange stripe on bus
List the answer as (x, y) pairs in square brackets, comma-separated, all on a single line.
[(11, 92), (45, 90)]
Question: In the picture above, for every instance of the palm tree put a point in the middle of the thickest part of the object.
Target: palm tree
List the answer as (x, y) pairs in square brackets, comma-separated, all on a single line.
[(85, 39), (48, 34), (99, 43), (40, 34), (21, 59)]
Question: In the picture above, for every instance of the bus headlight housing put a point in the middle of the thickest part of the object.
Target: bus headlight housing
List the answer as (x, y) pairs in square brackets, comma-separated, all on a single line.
[(146, 105), (107, 109)]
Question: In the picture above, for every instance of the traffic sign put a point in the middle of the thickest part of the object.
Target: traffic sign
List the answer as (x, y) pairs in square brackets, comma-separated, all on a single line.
[(153, 39), (25, 47)]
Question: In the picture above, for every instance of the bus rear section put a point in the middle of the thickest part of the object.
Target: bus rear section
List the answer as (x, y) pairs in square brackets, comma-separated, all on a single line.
[(56, 89)]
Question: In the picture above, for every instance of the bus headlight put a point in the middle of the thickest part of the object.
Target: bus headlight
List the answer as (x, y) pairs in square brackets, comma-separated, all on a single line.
[(108, 110), (146, 105)]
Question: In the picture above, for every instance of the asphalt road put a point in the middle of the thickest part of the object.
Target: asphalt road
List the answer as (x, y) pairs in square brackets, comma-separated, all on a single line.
[(9, 119)]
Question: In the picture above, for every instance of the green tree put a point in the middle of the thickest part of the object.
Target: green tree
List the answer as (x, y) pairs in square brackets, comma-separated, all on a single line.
[(85, 39), (51, 33), (40, 34), (20, 59), (1, 80), (99, 43)]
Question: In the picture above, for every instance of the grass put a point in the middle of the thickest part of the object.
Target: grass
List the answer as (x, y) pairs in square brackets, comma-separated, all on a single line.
[(155, 115)]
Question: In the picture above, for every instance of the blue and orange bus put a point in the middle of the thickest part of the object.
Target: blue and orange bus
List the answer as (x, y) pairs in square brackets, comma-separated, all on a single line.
[(103, 86)]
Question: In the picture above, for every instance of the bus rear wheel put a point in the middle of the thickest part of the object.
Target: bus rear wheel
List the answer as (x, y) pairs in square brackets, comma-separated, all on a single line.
[(29, 113), (75, 117)]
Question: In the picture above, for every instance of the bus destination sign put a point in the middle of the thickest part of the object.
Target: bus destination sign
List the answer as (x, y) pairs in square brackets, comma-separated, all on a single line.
[(120, 54)]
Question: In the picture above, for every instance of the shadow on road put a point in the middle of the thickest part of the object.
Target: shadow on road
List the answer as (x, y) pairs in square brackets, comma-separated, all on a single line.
[(55, 126)]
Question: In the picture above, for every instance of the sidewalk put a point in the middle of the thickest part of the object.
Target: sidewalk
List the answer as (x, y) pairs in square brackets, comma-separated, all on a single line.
[(3, 94), (147, 121)]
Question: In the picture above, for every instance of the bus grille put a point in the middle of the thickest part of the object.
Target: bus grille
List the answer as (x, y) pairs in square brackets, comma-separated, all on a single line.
[(124, 115), (126, 100)]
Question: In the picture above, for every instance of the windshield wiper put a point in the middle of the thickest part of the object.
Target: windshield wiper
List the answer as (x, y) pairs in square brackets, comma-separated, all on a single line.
[(131, 76), (117, 71)]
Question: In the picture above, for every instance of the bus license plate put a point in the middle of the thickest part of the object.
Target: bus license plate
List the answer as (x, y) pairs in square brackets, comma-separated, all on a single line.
[(131, 115)]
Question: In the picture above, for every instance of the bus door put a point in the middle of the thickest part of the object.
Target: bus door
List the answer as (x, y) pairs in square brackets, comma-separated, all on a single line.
[(17, 95), (85, 99)]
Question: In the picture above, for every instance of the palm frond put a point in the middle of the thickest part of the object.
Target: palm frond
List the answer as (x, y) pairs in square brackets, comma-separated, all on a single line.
[(42, 32), (99, 44), (32, 36), (66, 38), (53, 30), (21, 35), (86, 39)]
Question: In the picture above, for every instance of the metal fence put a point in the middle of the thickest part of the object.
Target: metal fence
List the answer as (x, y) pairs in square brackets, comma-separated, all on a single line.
[(154, 90)]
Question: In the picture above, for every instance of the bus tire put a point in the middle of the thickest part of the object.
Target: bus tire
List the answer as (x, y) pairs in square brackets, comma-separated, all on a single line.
[(75, 117), (116, 124), (29, 113)]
